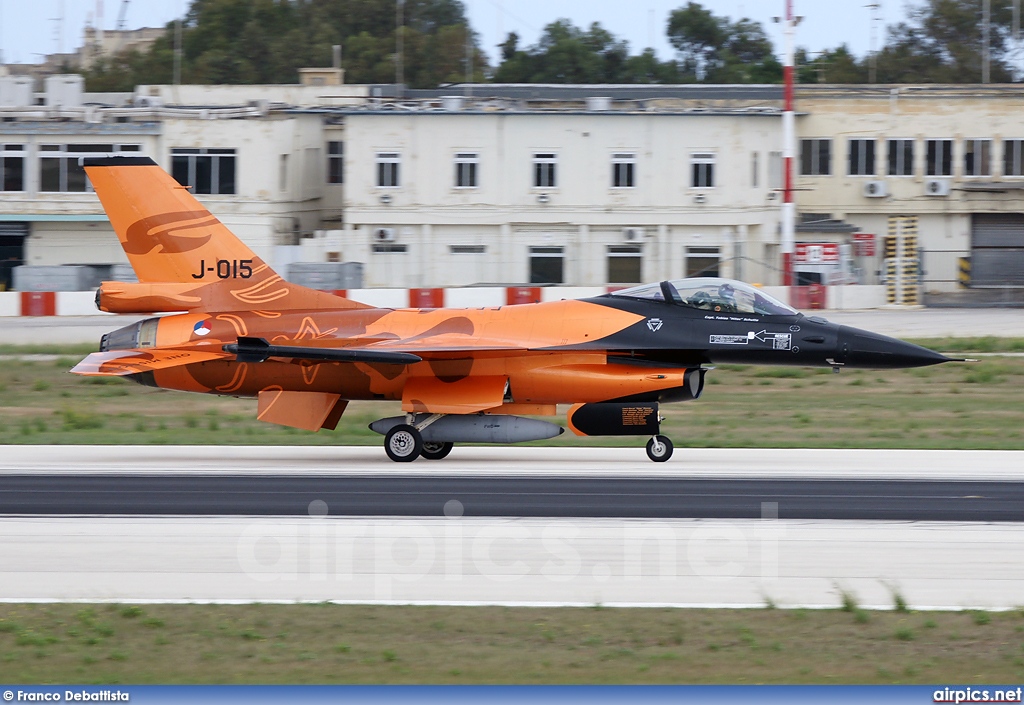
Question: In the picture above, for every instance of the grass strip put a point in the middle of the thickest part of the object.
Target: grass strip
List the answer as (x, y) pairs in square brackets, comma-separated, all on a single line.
[(969, 406), (324, 643)]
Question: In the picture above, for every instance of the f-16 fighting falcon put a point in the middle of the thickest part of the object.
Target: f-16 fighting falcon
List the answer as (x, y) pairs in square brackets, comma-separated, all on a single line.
[(462, 375)]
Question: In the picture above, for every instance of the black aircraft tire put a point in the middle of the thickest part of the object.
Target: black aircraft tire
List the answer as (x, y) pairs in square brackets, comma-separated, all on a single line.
[(434, 450), (403, 443), (662, 453)]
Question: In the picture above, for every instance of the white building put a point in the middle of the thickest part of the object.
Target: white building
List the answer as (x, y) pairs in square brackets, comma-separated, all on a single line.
[(936, 172), (578, 185), (587, 192)]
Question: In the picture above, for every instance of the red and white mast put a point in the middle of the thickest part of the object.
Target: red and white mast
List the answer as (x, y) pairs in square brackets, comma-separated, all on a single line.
[(788, 149)]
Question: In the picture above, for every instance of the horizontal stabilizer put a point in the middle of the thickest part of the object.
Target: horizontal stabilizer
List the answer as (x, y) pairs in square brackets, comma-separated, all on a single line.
[(120, 363), (258, 350)]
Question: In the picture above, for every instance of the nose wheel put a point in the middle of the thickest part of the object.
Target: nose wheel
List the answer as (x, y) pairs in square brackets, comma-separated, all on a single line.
[(403, 443), (659, 449)]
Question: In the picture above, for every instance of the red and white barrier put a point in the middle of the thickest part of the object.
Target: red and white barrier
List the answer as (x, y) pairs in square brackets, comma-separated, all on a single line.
[(83, 303)]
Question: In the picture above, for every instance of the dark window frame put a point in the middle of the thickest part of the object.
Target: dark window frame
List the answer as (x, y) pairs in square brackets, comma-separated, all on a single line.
[(938, 157), (467, 170), (12, 168), (335, 162), (816, 156), (1013, 157), (978, 157), (900, 156), (702, 170), (389, 169), (207, 171), (861, 156), (624, 170), (543, 269), (625, 261), (545, 170)]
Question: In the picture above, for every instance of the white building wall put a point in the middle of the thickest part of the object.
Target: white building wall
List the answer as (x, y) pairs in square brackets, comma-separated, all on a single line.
[(919, 113), (583, 213)]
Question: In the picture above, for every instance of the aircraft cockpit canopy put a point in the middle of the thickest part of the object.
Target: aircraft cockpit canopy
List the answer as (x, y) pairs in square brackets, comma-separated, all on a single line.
[(711, 294)]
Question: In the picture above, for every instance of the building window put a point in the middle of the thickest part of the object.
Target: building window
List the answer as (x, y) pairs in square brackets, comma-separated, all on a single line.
[(624, 170), (335, 162), (1013, 157), (282, 173), (466, 167), (547, 265), (939, 157), (816, 157), (977, 157), (702, 261), (702, 170), (753, 169), (625, 263), (544, 174), (467, 249), (389, 248), (901, 157), (59, 170), (206, 171), (774, 170), (388, 164), (12, 167), (862, 158)]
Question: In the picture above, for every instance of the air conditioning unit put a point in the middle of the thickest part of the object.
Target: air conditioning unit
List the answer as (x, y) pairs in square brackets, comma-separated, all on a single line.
[(936, 187), (632, 234), (384, 235), (875, 189)]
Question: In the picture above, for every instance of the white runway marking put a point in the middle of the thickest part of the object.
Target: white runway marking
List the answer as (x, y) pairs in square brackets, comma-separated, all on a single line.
[(521, 461), (720, 563)]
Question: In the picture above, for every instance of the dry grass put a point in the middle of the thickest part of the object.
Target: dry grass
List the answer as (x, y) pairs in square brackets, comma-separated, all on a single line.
[(364, 644), (949, 406)]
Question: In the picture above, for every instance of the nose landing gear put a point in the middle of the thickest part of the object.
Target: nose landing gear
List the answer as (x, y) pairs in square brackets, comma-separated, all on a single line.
[(659, 449)]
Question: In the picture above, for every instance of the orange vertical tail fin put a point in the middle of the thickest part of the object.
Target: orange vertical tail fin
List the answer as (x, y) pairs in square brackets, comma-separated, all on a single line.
[(171, 238), (167, 234)]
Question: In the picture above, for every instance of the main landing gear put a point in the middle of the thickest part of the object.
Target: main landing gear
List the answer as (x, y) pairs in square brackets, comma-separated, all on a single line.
[(436, 450), (659, 449), (404, 443)]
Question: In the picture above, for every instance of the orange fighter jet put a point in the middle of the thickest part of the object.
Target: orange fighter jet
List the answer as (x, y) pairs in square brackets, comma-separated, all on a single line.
[(462, 375)]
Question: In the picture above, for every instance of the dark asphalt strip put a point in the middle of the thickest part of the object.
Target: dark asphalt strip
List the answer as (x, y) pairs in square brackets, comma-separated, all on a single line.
[(392, 495)]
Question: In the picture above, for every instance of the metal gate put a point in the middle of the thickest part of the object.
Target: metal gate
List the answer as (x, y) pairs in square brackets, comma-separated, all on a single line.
[(997, 250)]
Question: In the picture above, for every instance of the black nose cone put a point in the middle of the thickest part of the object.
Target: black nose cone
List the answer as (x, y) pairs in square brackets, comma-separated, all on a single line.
[(865, 349)]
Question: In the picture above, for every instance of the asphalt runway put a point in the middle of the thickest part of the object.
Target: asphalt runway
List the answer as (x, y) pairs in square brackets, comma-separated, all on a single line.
[(448, 554), (574, 497)]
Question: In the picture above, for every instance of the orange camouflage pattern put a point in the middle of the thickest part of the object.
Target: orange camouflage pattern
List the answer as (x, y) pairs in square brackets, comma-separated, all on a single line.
[(493, 360)]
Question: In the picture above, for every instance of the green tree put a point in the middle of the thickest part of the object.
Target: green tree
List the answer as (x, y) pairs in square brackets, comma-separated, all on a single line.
[(942, 42), (566, 53), (717, 50), (837, 65), (267, 41)]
